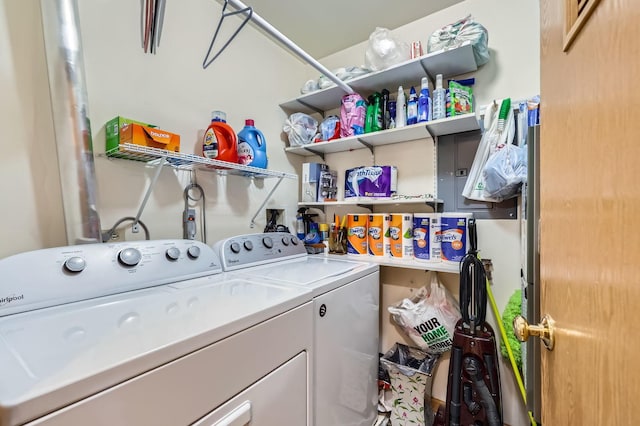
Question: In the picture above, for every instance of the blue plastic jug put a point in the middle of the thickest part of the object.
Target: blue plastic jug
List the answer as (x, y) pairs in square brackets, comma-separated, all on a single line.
[(252, 147)]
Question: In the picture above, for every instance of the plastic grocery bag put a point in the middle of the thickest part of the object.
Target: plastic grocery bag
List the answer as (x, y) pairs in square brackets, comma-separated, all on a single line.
[(384, 50), (429, 317), (453, 35), (505, 171), (496, 134), (300, 128)]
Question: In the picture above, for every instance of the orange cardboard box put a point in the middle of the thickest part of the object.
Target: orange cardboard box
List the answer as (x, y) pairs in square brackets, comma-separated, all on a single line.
[(149, 136)]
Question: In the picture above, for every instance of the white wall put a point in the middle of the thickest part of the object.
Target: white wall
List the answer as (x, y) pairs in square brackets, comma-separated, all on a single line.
[(31, 208), (513, 71)]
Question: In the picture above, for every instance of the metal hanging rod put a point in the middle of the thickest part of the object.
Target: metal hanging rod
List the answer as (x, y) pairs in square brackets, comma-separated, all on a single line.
[(294, 48)]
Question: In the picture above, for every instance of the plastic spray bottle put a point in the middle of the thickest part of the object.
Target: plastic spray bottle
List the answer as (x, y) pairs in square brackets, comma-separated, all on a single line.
[(252, 146), (424, 102), (439, 100), (401, 109), (412, 107)]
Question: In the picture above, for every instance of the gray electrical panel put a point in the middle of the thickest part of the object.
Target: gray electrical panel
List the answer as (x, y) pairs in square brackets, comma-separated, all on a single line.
[(455, 157)]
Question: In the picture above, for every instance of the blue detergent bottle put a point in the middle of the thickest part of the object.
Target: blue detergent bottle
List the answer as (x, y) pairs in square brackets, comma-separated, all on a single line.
[(252, 147)]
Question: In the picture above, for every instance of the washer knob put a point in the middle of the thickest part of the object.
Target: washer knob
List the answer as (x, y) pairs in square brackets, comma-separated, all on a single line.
[(268, 242), (285, 241), (248, 245), (173, 253), (193, 252), (294, 240), (129, 256), (235, 248), (75, 264)]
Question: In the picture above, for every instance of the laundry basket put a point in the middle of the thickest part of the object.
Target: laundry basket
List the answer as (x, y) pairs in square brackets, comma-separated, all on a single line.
[(411, 373)]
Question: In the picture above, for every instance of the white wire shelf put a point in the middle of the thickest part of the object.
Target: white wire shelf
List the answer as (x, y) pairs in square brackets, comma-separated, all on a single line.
[(179, 160), (451, 268)]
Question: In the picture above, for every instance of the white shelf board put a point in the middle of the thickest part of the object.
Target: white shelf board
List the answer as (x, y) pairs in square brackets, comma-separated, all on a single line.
[(356, 201), (403, 134), (450, 63), (337, 145), (451, 125), (401, 263), (446, 62), (445, 126)]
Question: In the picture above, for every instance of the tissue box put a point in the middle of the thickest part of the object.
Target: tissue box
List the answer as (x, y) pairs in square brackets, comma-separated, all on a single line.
[(311, 181), (123, 130), (375, 181)]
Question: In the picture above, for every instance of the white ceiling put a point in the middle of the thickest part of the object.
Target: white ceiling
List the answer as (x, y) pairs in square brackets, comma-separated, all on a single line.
[(328, 26)]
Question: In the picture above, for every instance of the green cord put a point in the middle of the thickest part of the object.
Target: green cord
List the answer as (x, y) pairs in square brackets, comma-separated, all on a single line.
[(503, 334)]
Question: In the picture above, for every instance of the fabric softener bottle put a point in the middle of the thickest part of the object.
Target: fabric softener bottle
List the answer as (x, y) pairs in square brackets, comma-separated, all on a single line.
[(252, 147)]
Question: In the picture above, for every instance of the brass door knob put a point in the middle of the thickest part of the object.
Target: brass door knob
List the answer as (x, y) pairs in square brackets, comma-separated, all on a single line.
[(544, 330)]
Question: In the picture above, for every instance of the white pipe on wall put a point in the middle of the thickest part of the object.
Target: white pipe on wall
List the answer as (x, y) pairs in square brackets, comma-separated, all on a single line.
[(72, 130)]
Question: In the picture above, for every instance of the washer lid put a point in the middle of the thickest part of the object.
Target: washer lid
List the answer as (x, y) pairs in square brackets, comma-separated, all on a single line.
[(316, 273), (51, 357)]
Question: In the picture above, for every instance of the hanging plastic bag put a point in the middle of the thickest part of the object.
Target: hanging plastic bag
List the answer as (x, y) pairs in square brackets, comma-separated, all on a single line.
[(498, 127), (384, 50), (300, 128), (429, 317), (505, 171), (455, 34)]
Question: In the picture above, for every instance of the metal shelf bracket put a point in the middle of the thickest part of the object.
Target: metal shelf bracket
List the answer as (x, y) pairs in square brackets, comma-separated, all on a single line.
[(252, 224)]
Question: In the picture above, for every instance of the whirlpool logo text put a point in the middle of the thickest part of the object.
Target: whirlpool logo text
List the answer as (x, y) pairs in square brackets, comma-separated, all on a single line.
[(10, 299)]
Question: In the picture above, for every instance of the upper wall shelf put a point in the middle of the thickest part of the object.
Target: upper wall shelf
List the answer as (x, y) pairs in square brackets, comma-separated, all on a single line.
[(446, 62), (445, 126), (180, 160)]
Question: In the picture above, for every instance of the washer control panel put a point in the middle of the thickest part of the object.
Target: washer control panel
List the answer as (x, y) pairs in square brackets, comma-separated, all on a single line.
[(54, 276), (257, 249)]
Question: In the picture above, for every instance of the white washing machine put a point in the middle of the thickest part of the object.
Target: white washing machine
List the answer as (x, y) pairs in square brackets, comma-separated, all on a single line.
[(344, 355), (149, 333)]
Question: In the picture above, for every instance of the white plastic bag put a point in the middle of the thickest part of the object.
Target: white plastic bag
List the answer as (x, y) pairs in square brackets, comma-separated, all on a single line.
[(455, 34), (429, 317), (384, 50), (300, 128), (495, 136), (505, 171)]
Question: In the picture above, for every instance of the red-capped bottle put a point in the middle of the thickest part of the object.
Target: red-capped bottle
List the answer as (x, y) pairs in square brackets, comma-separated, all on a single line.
[(220, 141)]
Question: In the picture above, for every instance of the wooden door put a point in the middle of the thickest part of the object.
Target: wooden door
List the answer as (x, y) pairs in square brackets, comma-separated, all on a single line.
[(590, 215)]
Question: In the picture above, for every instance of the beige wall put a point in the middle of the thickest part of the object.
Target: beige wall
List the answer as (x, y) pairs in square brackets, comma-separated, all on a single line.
[(169, 89)]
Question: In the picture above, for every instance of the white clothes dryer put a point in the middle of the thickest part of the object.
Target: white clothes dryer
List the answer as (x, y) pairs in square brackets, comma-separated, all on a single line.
[(148, 333), (345, 331)]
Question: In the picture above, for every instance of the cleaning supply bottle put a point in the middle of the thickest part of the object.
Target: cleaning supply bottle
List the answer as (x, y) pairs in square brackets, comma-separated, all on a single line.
[(412, 107), (368, 118), (384, 104), (252, 146), (220, 142), (439, 100), (424, 102), (300, 231), (401, 109)]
